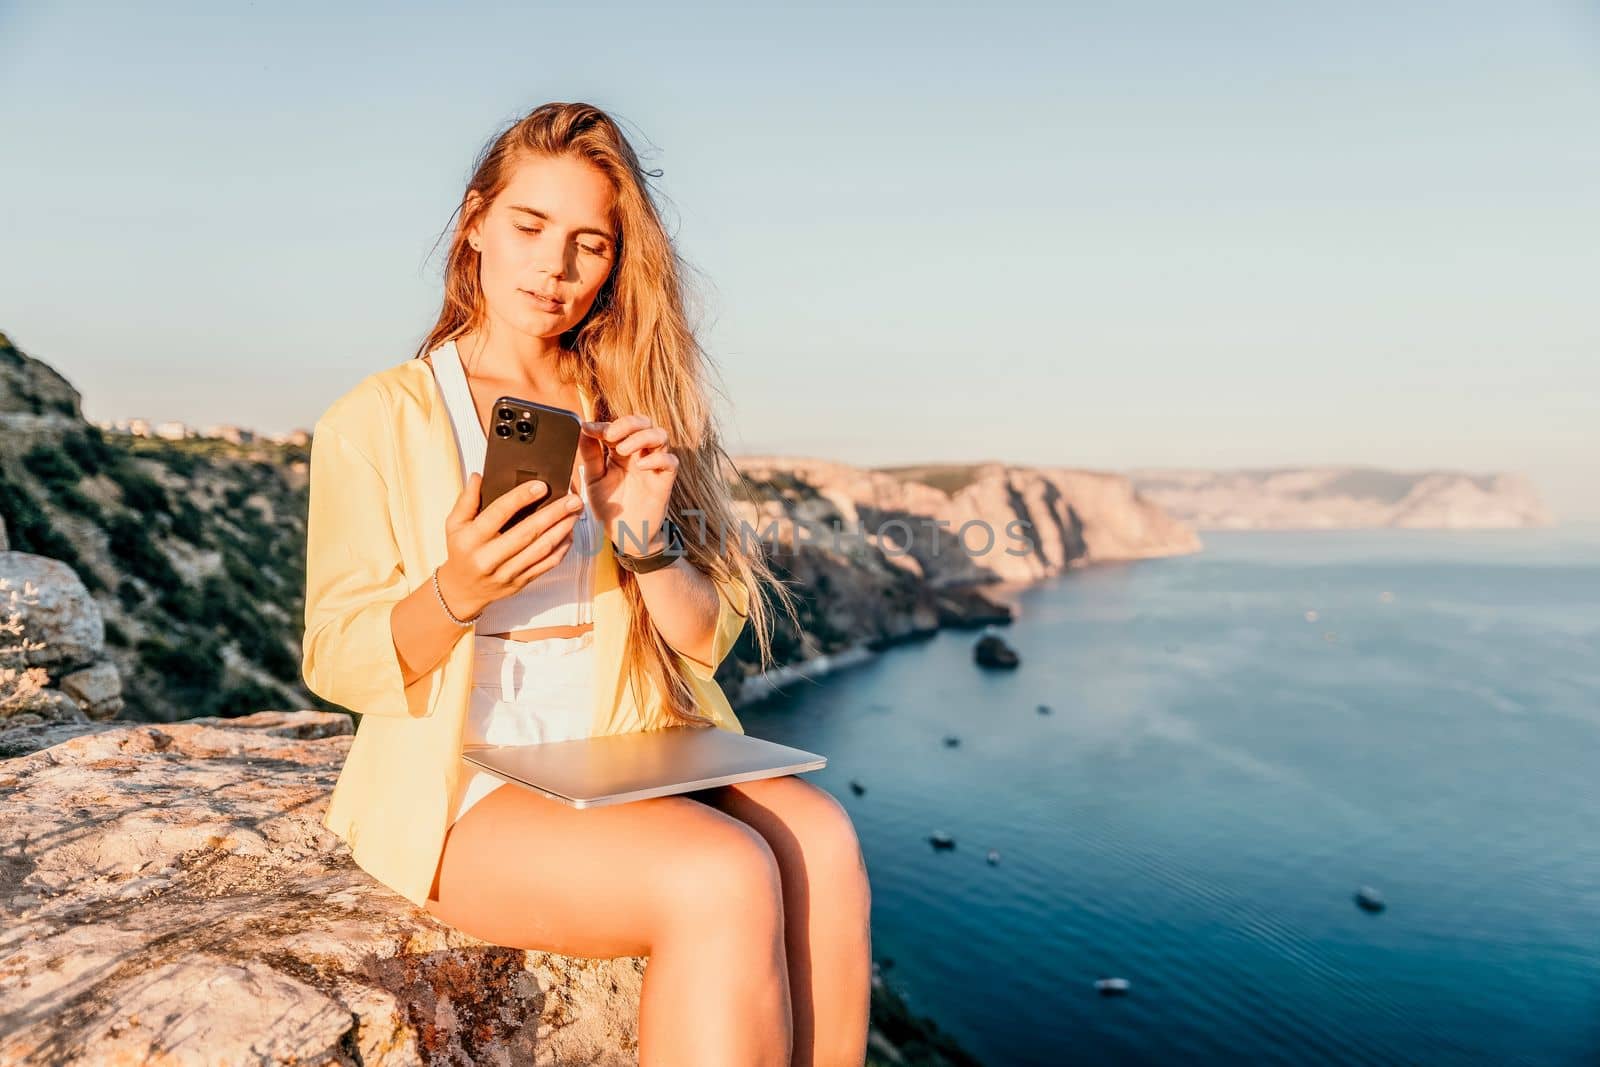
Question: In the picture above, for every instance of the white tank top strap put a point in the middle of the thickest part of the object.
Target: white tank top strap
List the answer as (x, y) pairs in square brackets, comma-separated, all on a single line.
[(463, 411)]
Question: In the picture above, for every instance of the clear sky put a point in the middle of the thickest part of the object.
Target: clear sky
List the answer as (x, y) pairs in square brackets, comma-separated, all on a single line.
[(1110, 235)]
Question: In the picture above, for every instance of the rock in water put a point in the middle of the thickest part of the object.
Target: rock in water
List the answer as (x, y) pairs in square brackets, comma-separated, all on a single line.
[(856, 787), (991, 650), (1369, 899)]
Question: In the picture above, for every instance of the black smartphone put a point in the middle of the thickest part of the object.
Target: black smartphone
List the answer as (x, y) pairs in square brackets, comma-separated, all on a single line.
[(528, 442)]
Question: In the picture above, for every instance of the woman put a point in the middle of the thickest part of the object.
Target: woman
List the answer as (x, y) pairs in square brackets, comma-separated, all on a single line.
[(751, 901)]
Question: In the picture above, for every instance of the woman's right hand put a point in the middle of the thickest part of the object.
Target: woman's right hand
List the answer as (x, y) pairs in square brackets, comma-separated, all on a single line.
[(484, 564)]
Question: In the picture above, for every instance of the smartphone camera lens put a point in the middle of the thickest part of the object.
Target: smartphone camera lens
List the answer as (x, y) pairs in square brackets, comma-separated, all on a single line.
[(506, 413), (524, 426), (502, 430)]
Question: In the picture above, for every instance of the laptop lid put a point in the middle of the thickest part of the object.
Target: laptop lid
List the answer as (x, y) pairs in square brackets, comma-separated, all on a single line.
[(616, 768)]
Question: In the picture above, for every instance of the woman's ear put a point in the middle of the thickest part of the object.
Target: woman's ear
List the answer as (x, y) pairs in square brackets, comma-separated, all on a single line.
[(473, 233)]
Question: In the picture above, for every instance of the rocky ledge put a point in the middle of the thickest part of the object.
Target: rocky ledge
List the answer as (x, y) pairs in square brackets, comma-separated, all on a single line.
[(169, 896)]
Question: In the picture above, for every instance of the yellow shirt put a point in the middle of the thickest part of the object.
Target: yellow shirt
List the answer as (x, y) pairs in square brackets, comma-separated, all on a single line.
[(385, 472)]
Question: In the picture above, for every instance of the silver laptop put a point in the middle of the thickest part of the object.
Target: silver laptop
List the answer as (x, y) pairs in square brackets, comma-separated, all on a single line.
[(616, 768)]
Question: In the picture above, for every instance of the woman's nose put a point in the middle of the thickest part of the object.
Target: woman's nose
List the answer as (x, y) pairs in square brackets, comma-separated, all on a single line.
[(554, 260)]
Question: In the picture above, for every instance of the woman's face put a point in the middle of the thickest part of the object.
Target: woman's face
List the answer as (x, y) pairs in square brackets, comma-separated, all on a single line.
[(548, 234)]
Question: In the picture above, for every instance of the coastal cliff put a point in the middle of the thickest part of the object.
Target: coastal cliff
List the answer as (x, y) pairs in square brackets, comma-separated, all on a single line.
[(1318, 498), (981, 522), (883, 555)]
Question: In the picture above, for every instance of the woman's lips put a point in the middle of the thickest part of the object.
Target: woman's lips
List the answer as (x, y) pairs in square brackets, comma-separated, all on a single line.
[(544, 302)]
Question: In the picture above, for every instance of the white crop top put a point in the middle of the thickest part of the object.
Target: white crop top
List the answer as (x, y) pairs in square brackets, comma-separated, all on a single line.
[(561, 596)]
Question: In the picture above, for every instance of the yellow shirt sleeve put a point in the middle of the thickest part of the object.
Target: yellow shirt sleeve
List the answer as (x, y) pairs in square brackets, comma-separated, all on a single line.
[(732, 614), (354, 578)]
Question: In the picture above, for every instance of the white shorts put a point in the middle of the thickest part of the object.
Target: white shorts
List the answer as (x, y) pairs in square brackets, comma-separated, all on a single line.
[(524, 693)]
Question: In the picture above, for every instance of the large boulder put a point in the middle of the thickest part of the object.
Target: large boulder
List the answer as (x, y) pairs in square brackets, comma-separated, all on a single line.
[(63, 635), (62, 614)]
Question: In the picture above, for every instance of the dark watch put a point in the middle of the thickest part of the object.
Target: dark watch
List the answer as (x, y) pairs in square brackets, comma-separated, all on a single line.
[(665, 557)]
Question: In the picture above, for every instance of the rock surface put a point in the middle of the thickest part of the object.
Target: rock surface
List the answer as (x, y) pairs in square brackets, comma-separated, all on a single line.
[(169, 897)]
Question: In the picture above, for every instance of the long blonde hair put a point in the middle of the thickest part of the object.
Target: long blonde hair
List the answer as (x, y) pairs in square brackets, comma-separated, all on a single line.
[(634, 352)]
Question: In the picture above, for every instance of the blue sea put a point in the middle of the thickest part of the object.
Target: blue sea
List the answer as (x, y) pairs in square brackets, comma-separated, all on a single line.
[(1238, 740)]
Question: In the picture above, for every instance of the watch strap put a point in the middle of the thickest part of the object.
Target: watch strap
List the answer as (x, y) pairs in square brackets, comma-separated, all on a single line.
[(654, 561)]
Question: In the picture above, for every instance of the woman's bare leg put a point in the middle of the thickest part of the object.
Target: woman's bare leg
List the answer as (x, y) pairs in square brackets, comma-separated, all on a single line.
[(694, 889), (827, 911)]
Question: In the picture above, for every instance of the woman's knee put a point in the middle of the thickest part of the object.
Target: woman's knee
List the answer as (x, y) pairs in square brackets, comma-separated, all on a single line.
[(724, 871), (809, 828), (829, 837)]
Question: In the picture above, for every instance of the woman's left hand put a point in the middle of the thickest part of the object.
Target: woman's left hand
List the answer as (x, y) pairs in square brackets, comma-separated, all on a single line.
[(630, 473)]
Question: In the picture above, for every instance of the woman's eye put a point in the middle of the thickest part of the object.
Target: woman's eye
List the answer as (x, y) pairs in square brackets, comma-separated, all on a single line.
[(540, 229)]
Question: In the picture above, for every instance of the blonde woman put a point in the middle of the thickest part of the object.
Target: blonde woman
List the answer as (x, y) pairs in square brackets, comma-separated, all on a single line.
[(751, 901)]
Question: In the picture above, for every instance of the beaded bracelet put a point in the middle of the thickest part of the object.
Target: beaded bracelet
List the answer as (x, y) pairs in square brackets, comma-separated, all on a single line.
[(446, 607)]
